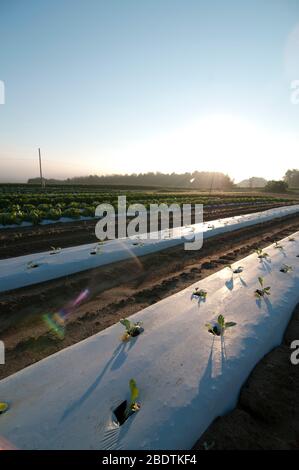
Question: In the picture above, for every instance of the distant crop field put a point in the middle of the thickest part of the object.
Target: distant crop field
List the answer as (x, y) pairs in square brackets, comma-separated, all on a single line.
[(30, 203)]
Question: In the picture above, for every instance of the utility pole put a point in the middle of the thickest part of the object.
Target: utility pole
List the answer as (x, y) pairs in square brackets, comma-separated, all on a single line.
[(43, 184)]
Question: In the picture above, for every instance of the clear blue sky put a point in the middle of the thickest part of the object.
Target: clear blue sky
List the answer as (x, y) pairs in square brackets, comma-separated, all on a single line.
[(148, 85)]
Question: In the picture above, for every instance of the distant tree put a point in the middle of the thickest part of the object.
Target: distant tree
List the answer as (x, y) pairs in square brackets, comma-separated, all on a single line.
[(253, 182), (292, 178), (276, 186)]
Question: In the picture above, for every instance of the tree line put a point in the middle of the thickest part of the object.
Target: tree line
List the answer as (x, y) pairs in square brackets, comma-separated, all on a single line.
[(203, 180), (196, 180)]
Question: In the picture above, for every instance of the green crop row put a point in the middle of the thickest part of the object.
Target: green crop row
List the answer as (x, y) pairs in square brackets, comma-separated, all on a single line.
[(35, 206)]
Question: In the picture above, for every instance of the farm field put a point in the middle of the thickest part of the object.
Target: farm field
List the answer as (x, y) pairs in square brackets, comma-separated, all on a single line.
[(117, 290), (26, 205), (203, 381), (33, 238), (36, 268), (86, 303), (149, 231)]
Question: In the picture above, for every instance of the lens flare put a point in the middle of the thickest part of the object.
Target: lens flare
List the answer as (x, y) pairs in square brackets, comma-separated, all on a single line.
[(6, 445), (80, 298), (54, 326), (56, 321)]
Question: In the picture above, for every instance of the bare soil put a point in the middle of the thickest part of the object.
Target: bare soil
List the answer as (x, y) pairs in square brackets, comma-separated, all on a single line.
[(117, 290)]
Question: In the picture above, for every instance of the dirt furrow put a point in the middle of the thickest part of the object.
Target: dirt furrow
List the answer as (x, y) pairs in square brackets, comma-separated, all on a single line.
[(28, 240)]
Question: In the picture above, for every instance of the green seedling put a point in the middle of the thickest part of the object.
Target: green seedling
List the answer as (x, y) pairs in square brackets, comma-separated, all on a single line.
[(201, 293), (54, 250), (137, 242), (278, 246), (96, 250), (133, 406), (220, 327), (208, 446), (263, 291), (3, 407), (286, 269), (238, 270), (132, 329), (32, 265), (168, 233), (261, 254)]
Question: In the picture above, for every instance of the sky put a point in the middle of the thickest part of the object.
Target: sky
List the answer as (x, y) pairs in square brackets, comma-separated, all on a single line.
[(125, 86)]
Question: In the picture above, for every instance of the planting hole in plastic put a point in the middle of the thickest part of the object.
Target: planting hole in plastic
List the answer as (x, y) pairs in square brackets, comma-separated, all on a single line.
[(137, 331), (259, 293), (120, 413), (33, 266), (214, 331), (133, 330), (123, 412)]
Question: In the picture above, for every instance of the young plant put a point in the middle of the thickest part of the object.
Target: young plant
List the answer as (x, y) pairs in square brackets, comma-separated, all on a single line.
[(278, 246), (133, 406), (263, 291), (3, 407), (261, 254), (188, 227), (96, 250), (54, 250), (292, 239), (137, 242), (32, 265), (200, 293), (286, 269), (238, 270), (208, 446), (132, 329), (127, 408), (220, 327)]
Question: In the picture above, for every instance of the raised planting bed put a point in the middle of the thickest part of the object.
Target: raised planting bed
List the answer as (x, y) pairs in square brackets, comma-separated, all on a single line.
[(82, 397), (25, 205), (32, 269)]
